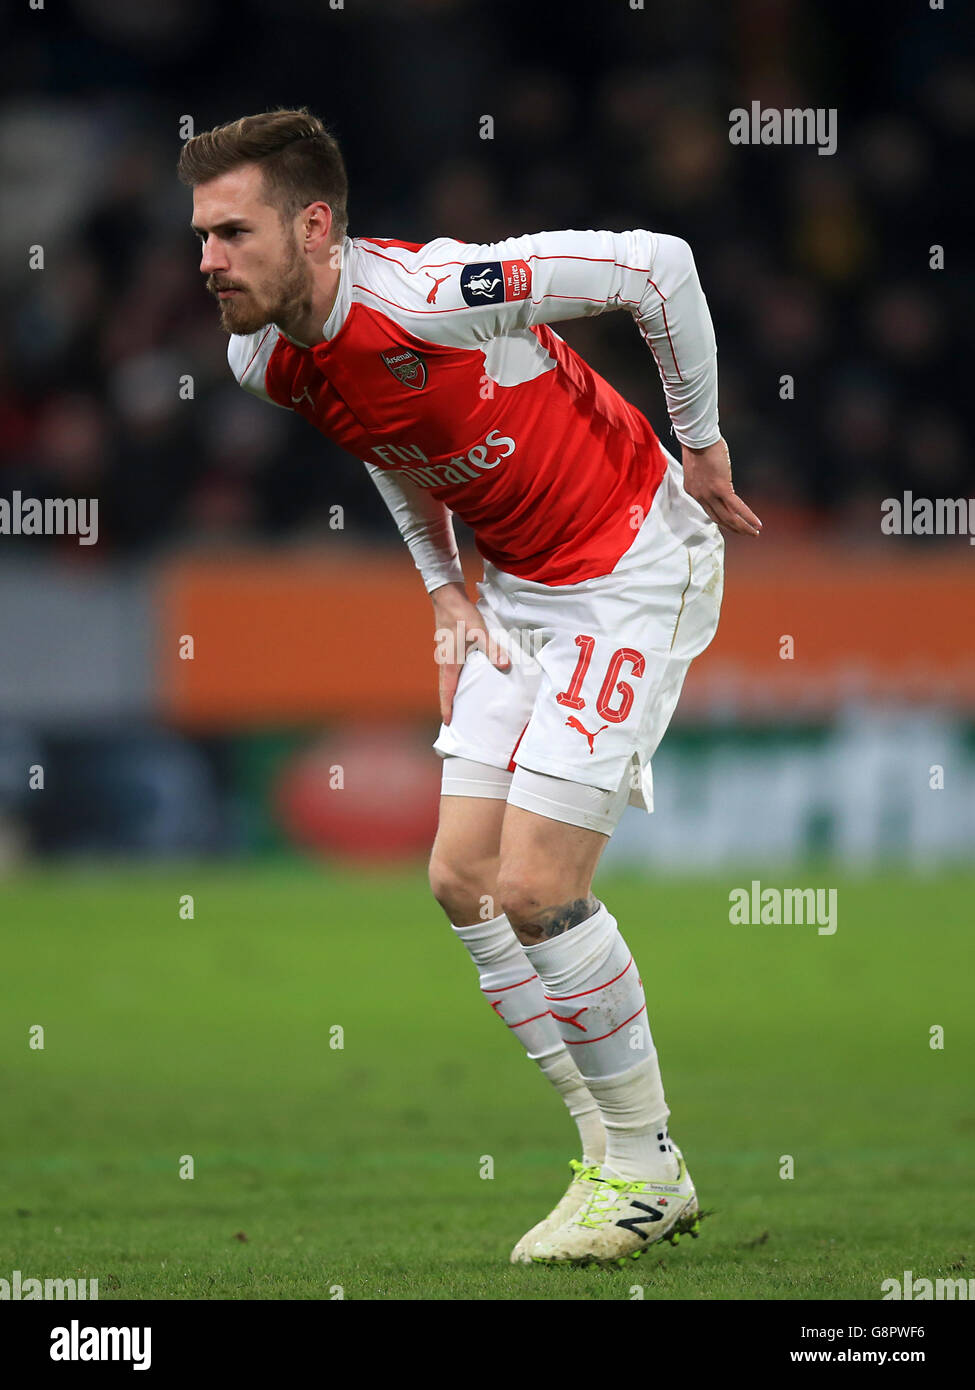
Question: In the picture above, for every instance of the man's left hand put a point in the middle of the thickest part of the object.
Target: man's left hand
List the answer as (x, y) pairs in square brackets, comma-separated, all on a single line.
[(707, 478)]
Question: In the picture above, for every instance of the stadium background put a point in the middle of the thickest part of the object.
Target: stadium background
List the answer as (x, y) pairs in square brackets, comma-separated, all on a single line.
[(313, 641), (815, 267)]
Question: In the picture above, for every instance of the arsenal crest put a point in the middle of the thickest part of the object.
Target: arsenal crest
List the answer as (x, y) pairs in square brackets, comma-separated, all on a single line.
[(406, 367)]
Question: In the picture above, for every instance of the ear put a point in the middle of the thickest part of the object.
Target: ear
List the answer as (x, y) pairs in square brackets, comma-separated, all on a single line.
[(318, 225)]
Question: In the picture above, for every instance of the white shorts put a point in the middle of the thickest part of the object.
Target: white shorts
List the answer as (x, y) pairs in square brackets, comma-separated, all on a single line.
[(597, 667), (554, 797)]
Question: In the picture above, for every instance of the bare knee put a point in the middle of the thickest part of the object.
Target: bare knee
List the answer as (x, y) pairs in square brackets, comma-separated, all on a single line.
[(466, 892), (539, 909)]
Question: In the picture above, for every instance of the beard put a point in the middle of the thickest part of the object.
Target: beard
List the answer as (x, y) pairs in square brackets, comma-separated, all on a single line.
[(288, 301)]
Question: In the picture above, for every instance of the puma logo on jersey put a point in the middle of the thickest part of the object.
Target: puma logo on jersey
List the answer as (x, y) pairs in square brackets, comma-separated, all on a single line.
[(432, 296), (573, 723)]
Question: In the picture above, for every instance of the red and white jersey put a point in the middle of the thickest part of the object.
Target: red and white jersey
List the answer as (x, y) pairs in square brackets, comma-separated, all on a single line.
[(438, 368)]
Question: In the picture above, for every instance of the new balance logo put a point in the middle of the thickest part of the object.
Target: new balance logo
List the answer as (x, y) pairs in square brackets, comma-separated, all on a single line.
[(632, 1223)]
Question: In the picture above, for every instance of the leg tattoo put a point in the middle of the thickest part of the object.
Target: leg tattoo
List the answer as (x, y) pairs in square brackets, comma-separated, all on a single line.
[(553, 921)]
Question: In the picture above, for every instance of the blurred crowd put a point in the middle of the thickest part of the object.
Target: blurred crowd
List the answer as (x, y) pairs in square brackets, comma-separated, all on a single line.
[(816, 268)]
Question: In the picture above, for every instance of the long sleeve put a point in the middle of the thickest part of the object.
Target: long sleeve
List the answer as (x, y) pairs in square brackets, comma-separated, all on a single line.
[(674, 320), (425, 525), (547, 277)]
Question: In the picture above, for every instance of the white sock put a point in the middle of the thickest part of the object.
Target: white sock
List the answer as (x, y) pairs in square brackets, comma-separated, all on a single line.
[(509, 982), (564, 1076), (635, 1148), (595, 993)]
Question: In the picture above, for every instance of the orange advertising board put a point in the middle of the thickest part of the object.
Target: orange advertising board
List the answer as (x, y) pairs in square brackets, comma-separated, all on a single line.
[(286, 637)]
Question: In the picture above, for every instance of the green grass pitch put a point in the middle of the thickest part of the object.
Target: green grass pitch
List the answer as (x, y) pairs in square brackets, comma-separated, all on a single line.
[(359, 1167)]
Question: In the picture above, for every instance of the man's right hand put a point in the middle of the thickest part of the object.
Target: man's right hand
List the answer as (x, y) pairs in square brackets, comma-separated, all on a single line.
[(459, 628)]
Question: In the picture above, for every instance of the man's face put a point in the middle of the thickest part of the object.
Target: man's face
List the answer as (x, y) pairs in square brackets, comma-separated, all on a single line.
[(252, 263)]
